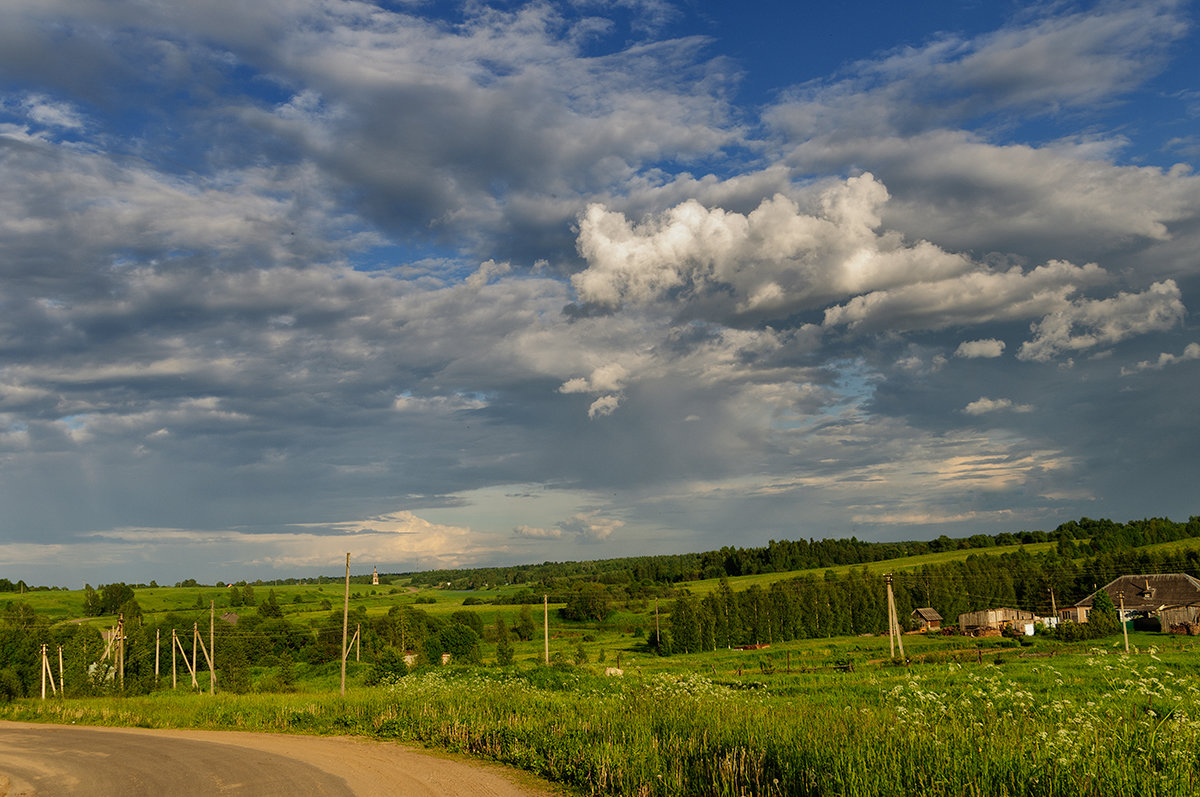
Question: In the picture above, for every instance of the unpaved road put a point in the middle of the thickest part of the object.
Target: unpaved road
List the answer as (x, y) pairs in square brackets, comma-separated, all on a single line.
[(70, 760)]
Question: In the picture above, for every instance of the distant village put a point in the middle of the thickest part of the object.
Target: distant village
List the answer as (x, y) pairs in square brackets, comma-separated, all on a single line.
[(1163, 602)]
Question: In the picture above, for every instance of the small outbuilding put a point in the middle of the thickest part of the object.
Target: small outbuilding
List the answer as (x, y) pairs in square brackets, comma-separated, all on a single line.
[(926, 619), (995, 620)]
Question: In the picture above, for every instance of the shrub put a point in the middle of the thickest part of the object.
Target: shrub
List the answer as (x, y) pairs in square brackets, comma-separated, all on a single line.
[(10, 686)]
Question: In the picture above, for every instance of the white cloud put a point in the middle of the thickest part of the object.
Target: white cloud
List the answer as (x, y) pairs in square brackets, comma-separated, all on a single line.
[(980, 296), (45, 111), (1087, 323), (536, 533), (590, 527), (604, 379), (774, 259), (983, 406), (603, 406), (1190, 352), (971, 349)]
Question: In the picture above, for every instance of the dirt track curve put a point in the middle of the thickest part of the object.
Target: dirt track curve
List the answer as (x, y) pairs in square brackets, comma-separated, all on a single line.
[(70, 760)]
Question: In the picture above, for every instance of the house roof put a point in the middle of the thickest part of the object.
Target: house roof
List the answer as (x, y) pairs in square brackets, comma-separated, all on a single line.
[(928, 615), (1147, 593)]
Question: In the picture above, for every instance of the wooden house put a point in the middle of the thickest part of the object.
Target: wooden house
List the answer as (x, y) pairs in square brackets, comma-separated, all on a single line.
[(926, 619), (1165, 599)]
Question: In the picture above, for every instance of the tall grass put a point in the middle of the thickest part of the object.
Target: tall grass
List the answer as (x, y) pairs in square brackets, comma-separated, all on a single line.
[(1088, 725)]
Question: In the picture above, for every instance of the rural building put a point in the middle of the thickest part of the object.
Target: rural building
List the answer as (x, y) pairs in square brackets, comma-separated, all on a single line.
[(978, 623), (1163, 599), (926, 619), (1075, 614)]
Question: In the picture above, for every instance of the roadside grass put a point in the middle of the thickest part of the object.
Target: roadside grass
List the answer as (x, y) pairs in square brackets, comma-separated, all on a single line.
[(1091, 722)]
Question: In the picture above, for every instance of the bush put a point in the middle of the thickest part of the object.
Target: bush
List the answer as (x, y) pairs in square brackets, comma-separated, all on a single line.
[(10, 686), (389, 664)]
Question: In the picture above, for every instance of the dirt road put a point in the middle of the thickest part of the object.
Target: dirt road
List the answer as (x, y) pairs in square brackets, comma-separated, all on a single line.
[(69, 760)]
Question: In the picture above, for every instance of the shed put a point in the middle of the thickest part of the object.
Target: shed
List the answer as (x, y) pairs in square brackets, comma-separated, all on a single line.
[(926, 619), (995, 620)]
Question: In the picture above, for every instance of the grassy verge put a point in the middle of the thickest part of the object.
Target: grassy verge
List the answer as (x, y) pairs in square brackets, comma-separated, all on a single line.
[(1083, 724)]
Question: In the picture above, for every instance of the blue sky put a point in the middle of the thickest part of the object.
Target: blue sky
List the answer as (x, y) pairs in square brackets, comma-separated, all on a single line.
[(447, 284)]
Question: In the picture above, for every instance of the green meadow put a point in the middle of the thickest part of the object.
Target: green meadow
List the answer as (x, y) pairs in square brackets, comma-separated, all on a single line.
[(997, 719), (897, 565)]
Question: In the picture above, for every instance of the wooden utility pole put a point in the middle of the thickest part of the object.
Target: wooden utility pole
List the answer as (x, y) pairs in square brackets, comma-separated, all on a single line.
[(61, 684), (1121, 618), (894, 636), (546, 625), (1053, 604), (358, 642), (345, 622), (211, 653), (121, 650), (157, 649), (192, 664), (46, 673), (212, 671), (174, 674)]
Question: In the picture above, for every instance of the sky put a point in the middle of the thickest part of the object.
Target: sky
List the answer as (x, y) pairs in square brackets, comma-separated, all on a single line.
[(466, 284)]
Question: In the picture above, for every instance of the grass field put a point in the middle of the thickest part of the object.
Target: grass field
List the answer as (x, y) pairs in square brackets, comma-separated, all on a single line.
[(994, 720), (764, 580), (1188, 544)]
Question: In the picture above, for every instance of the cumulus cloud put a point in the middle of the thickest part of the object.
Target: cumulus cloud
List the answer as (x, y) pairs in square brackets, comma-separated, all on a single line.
[(1088, 323), (983, 406), (972, 349), (605, 378), (775, 259), (590, 527), (1190, 352), (908, 118), (605, 405)]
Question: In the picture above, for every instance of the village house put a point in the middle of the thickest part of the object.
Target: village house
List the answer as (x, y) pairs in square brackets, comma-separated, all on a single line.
[(926, 619), (1161, 601)]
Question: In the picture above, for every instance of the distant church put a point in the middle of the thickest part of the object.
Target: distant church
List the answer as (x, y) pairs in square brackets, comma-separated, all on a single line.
[(375, 577)]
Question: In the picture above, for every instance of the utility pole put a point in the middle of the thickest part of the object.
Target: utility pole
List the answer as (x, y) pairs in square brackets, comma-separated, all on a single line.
[(121, 650), (46, 673), (894, 637), (61, 683), (211, 653), (546, 625), (345, 622), (157, 650), (1121, 617), (174, 674)]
